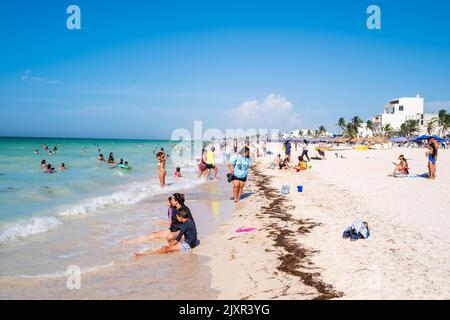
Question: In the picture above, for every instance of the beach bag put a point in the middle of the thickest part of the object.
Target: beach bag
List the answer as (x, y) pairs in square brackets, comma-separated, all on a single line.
[(285, 189), (358, 230)]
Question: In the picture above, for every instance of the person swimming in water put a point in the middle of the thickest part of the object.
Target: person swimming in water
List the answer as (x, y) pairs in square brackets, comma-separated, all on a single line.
[(111, 158), (100, 157), (36, 152), (62, 167), (162, 168), (177, 173), (50, 169), (44, 165)]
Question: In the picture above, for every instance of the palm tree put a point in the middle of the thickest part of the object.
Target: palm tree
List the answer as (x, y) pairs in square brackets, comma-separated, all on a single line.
[(350, 130), (370, 125), (445, 124), (322, 130), (357, 122), (388, 130), (431, 126), (409, 128), (341, 124)]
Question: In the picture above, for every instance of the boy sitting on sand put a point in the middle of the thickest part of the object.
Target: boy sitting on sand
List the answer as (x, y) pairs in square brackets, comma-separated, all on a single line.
[(188, 230)]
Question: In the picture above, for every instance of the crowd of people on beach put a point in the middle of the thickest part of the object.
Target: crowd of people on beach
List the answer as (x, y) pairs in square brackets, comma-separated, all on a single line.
[(181, 231)]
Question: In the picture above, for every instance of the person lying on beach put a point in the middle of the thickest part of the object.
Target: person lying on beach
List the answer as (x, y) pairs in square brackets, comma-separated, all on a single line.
[(321, 154), (337, 156), (301, 164), (402, 167), (187, 232)]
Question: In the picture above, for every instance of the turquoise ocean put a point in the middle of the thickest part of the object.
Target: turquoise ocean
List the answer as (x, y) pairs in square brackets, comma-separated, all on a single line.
[(78, 216)]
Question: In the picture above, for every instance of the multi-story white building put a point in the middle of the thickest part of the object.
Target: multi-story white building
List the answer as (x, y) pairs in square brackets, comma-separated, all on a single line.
[(400, 110)]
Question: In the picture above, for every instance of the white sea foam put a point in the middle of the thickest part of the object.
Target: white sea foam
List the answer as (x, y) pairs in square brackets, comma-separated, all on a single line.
[(25, 229), (131, 194)]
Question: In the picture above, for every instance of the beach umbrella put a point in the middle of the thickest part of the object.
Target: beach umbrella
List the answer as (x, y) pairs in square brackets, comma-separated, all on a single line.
[(425, 137), (399, 139)]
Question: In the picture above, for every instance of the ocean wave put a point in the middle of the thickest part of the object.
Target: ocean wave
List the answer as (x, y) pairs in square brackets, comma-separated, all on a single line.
[(132, 194), (25, 229)]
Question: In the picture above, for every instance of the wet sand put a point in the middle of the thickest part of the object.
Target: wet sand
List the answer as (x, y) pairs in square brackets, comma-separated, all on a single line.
[(109, 270)]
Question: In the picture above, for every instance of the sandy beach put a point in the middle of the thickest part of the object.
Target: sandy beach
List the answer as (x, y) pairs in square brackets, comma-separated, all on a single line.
[(298, 251)]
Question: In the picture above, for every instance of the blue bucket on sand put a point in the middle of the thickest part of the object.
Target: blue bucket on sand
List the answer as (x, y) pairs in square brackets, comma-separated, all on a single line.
[(300, 188)]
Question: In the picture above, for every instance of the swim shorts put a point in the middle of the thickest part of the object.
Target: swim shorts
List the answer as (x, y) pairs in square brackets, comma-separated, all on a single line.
[(239, 179), (184, 246), (210, 166)]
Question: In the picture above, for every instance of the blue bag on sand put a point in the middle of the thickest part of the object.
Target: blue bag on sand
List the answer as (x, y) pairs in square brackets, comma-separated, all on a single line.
[(358, 230)]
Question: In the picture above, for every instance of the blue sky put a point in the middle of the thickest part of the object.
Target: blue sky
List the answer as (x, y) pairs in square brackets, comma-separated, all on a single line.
[(139, 69)]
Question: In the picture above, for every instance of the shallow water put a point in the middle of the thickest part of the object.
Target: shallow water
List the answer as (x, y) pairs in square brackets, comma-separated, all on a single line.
[(78, 217)]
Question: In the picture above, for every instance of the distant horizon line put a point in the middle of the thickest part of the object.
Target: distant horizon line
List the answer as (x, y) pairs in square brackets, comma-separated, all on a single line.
[(85, 138)]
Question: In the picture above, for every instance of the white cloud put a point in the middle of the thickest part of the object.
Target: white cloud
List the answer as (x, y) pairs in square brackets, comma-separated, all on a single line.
[(26, 75), (29, 76), (275, 112)]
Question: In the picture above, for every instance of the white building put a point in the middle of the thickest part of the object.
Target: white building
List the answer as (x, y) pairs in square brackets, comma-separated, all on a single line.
[(398, 111), (364, 132)]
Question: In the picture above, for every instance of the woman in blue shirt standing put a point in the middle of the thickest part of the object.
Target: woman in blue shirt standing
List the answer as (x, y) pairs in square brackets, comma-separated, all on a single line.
[(239, 164)]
